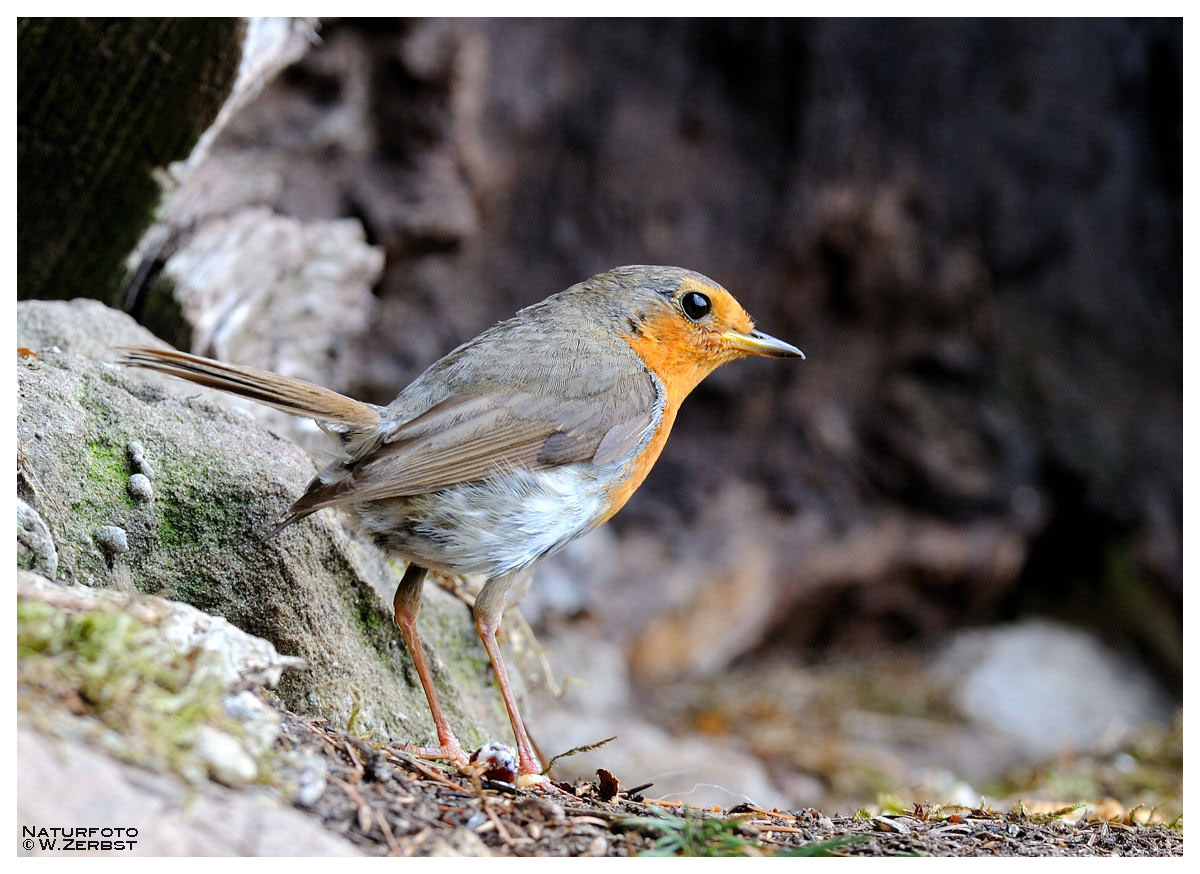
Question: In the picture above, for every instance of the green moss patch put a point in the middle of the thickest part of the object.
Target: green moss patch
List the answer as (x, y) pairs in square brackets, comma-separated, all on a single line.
[(114, 672)]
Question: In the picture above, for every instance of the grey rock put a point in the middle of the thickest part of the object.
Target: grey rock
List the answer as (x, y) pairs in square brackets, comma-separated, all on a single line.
[(234, 658), (112, 539), (542, 809), (475, 820), (242, 657), (309, 773), (137, 458), (35, 545), (83, 327), (173, 818), (458, 842), (260, 721), (1046, 688), (140, 488), (316, 591)]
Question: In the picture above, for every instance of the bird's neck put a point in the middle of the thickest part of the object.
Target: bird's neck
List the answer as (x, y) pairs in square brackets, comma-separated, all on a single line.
[(666, 347), (639, 467)]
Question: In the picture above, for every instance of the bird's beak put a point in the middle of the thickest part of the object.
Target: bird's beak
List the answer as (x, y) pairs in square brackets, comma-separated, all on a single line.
[(758, 343)]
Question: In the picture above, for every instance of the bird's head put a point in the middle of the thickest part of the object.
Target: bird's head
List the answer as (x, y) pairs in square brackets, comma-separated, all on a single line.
[(682, 324)]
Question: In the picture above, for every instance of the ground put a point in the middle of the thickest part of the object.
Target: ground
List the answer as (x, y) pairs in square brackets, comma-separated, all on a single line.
[(388, 802), (107, 679)]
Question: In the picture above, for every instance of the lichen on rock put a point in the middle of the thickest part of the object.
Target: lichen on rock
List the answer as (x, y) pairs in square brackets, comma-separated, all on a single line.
[(316, 591)]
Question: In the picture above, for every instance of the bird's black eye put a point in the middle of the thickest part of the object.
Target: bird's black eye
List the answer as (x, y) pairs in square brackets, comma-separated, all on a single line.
[(695, 305)]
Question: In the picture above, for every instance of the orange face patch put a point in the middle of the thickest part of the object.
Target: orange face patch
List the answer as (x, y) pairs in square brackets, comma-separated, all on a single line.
[(727, 312), (681, 353)]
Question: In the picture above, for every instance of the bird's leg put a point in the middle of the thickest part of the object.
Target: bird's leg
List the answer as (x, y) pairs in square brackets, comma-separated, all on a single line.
[(407, 603), (489, 605)]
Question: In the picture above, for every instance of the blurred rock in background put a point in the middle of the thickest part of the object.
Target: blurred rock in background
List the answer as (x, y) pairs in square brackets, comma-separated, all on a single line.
[(972, 228)]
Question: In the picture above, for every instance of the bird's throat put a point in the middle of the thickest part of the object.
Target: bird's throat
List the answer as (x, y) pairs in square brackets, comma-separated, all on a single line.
[(639, 467), (669, 348)]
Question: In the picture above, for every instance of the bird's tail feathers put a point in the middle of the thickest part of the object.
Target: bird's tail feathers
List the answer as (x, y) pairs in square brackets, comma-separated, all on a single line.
[(294, 396)]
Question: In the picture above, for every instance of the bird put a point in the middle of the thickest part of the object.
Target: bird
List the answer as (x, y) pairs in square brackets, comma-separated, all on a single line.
[(512, 445)]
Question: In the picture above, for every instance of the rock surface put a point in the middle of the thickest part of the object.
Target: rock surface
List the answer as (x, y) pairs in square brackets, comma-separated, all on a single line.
[(172, 818), (35, 545), (232, 657), (315, 591), (1049, 690)]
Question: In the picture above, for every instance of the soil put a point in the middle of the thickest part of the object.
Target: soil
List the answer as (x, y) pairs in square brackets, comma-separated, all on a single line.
[(390, 802)]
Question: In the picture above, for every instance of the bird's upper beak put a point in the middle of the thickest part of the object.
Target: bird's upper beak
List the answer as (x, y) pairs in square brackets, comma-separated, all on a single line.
[(758, 343)]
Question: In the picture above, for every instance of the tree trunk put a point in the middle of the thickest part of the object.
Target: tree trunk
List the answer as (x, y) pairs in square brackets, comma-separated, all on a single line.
[(104, 105)]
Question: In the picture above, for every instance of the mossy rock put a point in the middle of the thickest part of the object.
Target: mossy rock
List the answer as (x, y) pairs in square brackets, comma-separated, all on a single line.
[(220, 482)]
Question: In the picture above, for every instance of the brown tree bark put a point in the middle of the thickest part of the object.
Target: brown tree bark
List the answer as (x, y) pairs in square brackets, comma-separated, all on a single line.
[(102, 105)]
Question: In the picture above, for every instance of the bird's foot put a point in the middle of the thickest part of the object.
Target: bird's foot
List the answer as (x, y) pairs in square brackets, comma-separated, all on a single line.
[(498, 761), (540, 783), (450, 751), (534, 781)]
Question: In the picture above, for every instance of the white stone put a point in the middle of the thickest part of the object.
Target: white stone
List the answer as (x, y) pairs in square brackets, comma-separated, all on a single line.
[(226, 759), (1049, 688)]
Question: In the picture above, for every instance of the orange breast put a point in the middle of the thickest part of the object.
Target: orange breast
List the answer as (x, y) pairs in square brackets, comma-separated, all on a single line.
[(669, 350), (639, 468)]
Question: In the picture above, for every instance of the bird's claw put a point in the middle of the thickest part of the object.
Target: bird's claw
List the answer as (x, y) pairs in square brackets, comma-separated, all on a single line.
[(540, 783), (448, 752), (533, 781)]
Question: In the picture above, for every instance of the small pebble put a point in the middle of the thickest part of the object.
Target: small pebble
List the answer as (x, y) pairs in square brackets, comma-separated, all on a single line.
[(39, 433), (113, 539), (227, 760), (1125, 763), (140, 488), (310, 779), (890, 825), (136, 452), (476, 819), (137, 458), (259, 721), (549, 812), (498, 761)]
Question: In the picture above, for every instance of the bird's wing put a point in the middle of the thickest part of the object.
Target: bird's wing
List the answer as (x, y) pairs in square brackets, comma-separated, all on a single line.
[(467, 437)]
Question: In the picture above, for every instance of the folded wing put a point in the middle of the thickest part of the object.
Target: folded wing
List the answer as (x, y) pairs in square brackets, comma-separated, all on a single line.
[(467, 438)]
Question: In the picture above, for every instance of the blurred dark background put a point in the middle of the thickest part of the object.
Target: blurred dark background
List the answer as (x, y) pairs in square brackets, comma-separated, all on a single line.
[(972, 228)]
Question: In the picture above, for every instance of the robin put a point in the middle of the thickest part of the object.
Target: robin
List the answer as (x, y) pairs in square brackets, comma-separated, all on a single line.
[(512, 445)]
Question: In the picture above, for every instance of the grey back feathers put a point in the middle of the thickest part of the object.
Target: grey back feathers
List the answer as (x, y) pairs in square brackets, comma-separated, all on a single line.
[(550, 387)]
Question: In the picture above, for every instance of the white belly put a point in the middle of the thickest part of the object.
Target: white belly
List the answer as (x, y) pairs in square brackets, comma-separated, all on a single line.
[(496, 526)]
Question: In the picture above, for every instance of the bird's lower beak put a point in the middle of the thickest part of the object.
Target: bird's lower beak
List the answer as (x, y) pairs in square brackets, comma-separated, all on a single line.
[(758, 343)]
